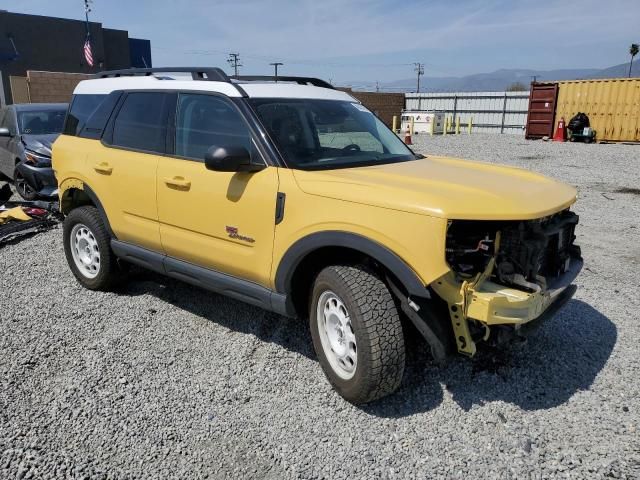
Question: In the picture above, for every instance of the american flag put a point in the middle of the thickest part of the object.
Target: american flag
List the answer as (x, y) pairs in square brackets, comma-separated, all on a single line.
[(88, 53)]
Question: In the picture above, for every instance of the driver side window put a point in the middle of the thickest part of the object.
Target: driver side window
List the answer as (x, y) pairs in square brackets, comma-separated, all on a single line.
[(7, 121), (206, 120)]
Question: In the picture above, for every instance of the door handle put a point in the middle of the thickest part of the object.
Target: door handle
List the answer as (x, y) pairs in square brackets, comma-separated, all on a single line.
[(103, 167), (178, 182)]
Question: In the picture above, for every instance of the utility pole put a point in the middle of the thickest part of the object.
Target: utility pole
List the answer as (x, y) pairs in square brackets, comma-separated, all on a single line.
[(420, 71), (275, 66), (234, 61)]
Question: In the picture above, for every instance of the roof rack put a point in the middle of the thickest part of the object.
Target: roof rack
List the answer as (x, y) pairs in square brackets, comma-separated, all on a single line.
[(316, 82), (212, 74), (197, 73)]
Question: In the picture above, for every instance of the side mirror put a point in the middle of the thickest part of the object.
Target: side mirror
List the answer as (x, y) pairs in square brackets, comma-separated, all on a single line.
[(230, 159), (4, 132)]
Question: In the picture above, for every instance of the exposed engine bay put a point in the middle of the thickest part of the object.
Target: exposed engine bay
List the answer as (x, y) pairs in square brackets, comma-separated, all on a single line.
[(529, 254)]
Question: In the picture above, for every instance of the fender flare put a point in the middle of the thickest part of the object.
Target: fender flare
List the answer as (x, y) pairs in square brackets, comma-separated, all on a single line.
[(80, 185), (306, 245)]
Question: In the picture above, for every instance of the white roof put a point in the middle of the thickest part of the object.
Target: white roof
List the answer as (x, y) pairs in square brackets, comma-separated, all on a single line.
[(253, 89)]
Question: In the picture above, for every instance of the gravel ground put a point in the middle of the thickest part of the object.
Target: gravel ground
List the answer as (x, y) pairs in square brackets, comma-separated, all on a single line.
[(161, 380)]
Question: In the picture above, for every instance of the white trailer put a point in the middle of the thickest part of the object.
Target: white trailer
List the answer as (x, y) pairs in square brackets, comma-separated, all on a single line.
[(423, 121)]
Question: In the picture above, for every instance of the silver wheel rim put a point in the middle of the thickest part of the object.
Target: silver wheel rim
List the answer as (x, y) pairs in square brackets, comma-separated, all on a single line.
[(22, 186), (336, 335), (85, 250)]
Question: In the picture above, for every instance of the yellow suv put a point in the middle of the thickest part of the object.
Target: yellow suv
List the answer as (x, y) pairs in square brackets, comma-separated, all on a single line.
[(290, 195)]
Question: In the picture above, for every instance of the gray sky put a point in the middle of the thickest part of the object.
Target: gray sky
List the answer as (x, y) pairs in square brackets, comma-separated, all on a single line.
[(369, 40)]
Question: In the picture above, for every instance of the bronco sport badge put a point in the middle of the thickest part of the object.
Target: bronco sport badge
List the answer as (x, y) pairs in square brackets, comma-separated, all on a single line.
[(233, 233)]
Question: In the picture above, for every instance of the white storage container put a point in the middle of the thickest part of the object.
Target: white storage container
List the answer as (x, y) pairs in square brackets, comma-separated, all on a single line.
[(423, 121)]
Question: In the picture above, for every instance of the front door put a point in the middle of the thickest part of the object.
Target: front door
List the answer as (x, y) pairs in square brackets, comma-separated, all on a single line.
[(224, 221), (7, 144)]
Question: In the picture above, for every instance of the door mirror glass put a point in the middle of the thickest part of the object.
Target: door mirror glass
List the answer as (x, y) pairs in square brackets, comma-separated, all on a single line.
[(230, 159), (4, 132)]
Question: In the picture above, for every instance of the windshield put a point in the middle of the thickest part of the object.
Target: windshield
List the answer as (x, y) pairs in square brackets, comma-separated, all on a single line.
[(328, 134), (41, 122)]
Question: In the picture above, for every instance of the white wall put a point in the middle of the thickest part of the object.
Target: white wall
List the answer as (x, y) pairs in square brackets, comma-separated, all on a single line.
[(492, 112)]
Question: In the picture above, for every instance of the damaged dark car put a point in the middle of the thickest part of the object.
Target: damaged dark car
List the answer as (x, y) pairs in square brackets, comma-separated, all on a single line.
[(27, 132)]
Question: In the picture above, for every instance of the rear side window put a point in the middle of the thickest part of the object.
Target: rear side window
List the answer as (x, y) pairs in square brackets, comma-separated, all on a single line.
[(96, 123), (141, 123), (82, 106)]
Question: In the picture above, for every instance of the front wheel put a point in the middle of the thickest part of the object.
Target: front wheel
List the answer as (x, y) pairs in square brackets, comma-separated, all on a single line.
[(357, 333), (23, 188)]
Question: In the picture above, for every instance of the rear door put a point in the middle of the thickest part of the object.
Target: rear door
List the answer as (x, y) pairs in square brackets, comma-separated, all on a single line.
[(122, 169)]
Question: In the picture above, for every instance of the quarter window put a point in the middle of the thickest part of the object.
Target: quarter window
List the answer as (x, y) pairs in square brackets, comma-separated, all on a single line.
[(82, 106), (141, 123), (204, 121)]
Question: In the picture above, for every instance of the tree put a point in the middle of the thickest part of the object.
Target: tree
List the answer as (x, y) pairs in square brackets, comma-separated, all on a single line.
[(516, 87), (633, 51)]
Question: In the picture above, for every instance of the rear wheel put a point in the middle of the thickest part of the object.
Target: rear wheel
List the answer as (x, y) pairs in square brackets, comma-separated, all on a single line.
[(357, 333), (88, 250)]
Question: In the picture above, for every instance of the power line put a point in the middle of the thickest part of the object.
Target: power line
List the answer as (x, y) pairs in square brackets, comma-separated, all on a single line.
[(234, 61), (287, 60), (275, 66)]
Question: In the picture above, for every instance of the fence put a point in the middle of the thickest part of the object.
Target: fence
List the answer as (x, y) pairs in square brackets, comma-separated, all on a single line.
[(384, 105), (492, 112), (44, 87)]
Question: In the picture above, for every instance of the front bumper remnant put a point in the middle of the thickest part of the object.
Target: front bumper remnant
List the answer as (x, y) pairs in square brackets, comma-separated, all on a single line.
[(41, 179), (490, 304)]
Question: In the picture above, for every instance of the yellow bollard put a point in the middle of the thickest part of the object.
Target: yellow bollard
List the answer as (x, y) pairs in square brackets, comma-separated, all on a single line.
[(433, 125), (412, 126), (445, 126), (395, 124), (470, 123), (458, 125)]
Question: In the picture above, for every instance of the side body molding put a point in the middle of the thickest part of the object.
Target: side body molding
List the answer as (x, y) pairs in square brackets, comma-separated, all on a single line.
[(205, 278), (392, 262)]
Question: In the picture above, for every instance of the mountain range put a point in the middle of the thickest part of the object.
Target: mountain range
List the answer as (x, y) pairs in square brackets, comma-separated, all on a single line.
[(496, 81)]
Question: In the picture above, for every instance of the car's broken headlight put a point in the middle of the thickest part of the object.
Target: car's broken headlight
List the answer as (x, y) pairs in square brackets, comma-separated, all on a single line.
[(36, 159)]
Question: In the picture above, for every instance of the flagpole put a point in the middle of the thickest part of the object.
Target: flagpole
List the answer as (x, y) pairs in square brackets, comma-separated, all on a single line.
[(87, 9), (88, 54)]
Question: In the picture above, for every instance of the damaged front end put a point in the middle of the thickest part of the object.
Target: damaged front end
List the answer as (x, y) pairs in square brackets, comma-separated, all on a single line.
[(506, 274)]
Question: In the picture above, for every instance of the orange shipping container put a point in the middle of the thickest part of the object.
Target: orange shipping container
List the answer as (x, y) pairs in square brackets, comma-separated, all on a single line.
[(613, 106)]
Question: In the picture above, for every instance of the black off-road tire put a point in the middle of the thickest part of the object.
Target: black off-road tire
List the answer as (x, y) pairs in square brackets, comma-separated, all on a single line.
[(377, 328), (109, 273)]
